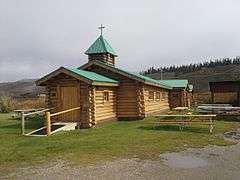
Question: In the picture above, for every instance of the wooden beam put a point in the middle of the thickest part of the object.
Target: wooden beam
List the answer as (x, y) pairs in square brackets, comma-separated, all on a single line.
[(65, 111), (105, 84), (238, 97), (48, 123), (59, 71), (212, 96), (23, 123), (37, 112), (182, 115)]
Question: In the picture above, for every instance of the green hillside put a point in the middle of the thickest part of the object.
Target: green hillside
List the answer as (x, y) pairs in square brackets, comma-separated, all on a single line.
[(200, 78)]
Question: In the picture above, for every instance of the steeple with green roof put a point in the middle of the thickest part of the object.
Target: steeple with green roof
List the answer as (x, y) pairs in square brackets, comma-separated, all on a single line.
[(100, 46), (101, 50)]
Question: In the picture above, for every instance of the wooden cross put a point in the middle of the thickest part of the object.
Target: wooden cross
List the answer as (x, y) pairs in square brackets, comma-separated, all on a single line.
[(101, 28)]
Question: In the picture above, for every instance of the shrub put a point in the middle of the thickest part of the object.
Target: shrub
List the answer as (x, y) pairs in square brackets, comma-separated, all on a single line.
[(6, 104), (29, 103)]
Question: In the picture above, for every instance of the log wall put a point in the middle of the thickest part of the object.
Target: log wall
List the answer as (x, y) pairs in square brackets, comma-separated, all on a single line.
[(129, 100), (141, 105), (105, 109), (179, 97), (155, 105), (226, 97), (126, 95), (53, 98), (53, 89), (87, 116), (106, 58), (93, 108)]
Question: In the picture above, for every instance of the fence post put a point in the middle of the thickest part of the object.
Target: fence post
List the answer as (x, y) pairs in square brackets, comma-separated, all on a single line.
[(23, 123), (48, 123)]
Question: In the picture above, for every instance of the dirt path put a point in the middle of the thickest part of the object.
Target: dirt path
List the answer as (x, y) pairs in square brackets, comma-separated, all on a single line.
[(211, 162)]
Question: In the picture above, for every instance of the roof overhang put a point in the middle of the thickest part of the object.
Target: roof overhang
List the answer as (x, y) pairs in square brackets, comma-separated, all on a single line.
[(43, 80)]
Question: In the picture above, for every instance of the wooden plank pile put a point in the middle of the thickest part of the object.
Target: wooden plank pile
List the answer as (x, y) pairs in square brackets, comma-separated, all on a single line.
[(220, 109)]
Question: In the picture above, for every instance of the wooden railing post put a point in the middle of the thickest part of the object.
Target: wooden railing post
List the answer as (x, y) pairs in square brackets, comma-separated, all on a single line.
[(23, 123), (48, 123)]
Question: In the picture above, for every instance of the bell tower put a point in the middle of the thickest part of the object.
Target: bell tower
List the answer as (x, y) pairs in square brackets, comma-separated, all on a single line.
[(101, 50)]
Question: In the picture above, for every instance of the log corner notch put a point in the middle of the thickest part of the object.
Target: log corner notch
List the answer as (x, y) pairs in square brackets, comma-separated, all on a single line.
[(140, 100), (88, 110)]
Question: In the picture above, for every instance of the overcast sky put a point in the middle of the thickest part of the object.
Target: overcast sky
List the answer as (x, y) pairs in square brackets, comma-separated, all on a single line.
[(37, 37)]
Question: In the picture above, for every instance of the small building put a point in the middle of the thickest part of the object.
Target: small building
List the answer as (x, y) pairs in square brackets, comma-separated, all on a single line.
[(103, 91), (181, 94), (227, 92)]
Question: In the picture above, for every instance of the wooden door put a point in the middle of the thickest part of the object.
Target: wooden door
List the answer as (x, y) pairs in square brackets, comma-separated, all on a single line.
[(69, 99)]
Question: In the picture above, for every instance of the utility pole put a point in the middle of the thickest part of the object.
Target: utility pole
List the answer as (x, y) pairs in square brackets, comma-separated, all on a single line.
[(161, 71)]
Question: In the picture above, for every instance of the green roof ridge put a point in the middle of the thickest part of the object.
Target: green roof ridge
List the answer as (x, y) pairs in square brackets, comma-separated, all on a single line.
[(145, 78), (183, 83), (91, 75), (100, 46), (103, 42)]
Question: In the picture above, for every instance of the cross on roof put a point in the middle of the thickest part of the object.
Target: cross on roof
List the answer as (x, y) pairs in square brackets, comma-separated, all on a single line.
[(101, 28)]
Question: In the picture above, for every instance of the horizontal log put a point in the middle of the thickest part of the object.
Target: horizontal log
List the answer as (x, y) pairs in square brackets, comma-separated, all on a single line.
[(126, 113), (65, 111), (36, 112), (127, 101), (181, 122), (100, 111), (126, 116), (186, 115), (104, 116)]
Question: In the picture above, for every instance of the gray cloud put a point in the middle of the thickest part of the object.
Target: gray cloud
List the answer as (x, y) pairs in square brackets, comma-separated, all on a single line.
[(37, 37)]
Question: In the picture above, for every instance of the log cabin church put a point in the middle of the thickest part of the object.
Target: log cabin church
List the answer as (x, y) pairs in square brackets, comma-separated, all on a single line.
[(105, 92)]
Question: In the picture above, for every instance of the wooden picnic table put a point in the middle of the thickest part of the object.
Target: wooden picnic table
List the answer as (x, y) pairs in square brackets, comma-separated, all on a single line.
[(182, 121)]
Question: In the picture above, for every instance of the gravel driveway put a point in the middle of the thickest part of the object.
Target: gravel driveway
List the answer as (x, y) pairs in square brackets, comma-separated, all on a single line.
[(211, 162)]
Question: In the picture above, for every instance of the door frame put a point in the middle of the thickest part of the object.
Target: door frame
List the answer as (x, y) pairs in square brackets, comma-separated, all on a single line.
[(60, 100)]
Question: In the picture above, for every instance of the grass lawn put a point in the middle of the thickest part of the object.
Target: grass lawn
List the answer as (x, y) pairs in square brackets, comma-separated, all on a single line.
[(113, 139)]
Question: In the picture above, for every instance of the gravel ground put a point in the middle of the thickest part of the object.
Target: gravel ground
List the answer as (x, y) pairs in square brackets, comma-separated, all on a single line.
[(211, 162)]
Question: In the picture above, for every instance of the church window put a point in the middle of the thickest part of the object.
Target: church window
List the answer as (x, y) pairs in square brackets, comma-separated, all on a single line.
[(105, 96), (158, 96), (151, 95)]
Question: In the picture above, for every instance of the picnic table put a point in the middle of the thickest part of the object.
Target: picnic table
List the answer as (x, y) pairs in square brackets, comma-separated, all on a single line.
[(187, 119)]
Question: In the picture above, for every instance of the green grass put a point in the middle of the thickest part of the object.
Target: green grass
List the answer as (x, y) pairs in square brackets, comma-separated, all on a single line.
[(111, 140)]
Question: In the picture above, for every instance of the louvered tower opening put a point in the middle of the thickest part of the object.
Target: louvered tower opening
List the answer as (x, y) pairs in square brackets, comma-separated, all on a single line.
[(102, 51)]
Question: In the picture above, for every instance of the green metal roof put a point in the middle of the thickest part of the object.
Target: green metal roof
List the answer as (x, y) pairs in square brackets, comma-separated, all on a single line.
[(148, 79), (91, 75), (176, 83), (100, 46), (139, 76)]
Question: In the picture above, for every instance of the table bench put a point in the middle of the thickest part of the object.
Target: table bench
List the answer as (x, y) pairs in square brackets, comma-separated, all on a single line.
[(182, 121)]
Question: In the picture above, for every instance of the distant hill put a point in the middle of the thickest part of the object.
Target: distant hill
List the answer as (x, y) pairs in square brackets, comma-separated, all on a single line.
[(22, 88), (200, 78), (199, 75)]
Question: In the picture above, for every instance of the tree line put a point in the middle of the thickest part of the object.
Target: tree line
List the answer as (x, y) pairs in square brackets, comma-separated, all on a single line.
[(194, 67)]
